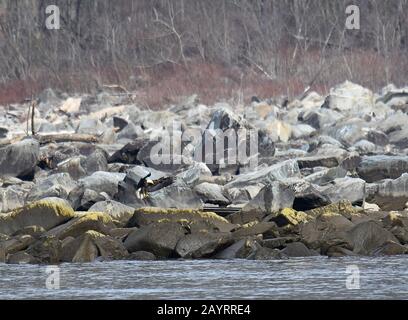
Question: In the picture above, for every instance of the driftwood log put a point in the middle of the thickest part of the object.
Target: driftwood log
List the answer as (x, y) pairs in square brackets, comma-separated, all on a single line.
[(54, 138)]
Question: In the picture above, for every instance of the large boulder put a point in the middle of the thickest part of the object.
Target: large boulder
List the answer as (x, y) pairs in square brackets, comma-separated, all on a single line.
[(349, 96), (47, 213), (19, 159), (327, 229), (82, 249), (97, 221), (13, 197), (375, 168), (297, 249), (271, 198), (56, 185), (46, 250), (368, 236), (277, 172), (160, 238), (212, 193), (176, 196), (350, 189), (146, 216), (116, 210), (202, 244), (391, 194), (239, 250)]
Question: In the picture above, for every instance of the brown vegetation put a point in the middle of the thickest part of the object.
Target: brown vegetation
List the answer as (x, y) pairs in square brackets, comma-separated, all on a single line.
[(219, 49)]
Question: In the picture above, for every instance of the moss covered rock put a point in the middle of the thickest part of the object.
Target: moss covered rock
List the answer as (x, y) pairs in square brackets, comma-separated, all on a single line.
[(44, 213), (145, 216), (97, 221)]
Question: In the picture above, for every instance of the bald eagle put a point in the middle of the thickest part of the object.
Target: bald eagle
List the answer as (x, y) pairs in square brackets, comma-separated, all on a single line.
[(145, 185)]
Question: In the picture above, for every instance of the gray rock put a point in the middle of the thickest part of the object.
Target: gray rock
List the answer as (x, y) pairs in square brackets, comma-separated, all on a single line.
[(101, 181), (116, 210), (366, 237), (19, 159), (202, 244), (175, 196), (212, 193), (375, 168), (159, 238), (239, 250), (277, 172), (351, 189), (271, 198), (391, 194), (297, 249), (142, 255), (13, 197), (91, 126), (57, 185)]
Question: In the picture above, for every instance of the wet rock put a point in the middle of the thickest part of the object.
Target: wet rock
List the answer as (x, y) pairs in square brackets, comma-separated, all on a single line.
[(47, 250), (271, 198), (279, 242), (297, 249), (19, 159), (375, 168), (212, 193), (369, 236), (116, 210), (262, 253), (239, 250), (159, 238), (142, 255), (22, 258), (202, 244), (390, 248), (46, 213)]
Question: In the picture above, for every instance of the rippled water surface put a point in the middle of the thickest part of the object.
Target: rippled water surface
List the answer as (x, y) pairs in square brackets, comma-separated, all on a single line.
[(303, 278)]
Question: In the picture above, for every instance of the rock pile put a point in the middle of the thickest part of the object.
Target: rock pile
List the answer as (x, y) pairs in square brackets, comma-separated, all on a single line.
[(103, 179)]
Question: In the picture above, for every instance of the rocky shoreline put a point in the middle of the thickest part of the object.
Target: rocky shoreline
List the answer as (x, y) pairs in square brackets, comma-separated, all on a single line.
[(330, 178)]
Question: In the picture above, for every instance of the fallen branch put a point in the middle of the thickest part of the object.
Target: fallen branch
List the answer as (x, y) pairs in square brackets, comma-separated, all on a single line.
[(66, 137)]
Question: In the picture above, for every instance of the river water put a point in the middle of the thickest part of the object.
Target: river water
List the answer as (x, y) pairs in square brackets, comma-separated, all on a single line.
[(296, 278)]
